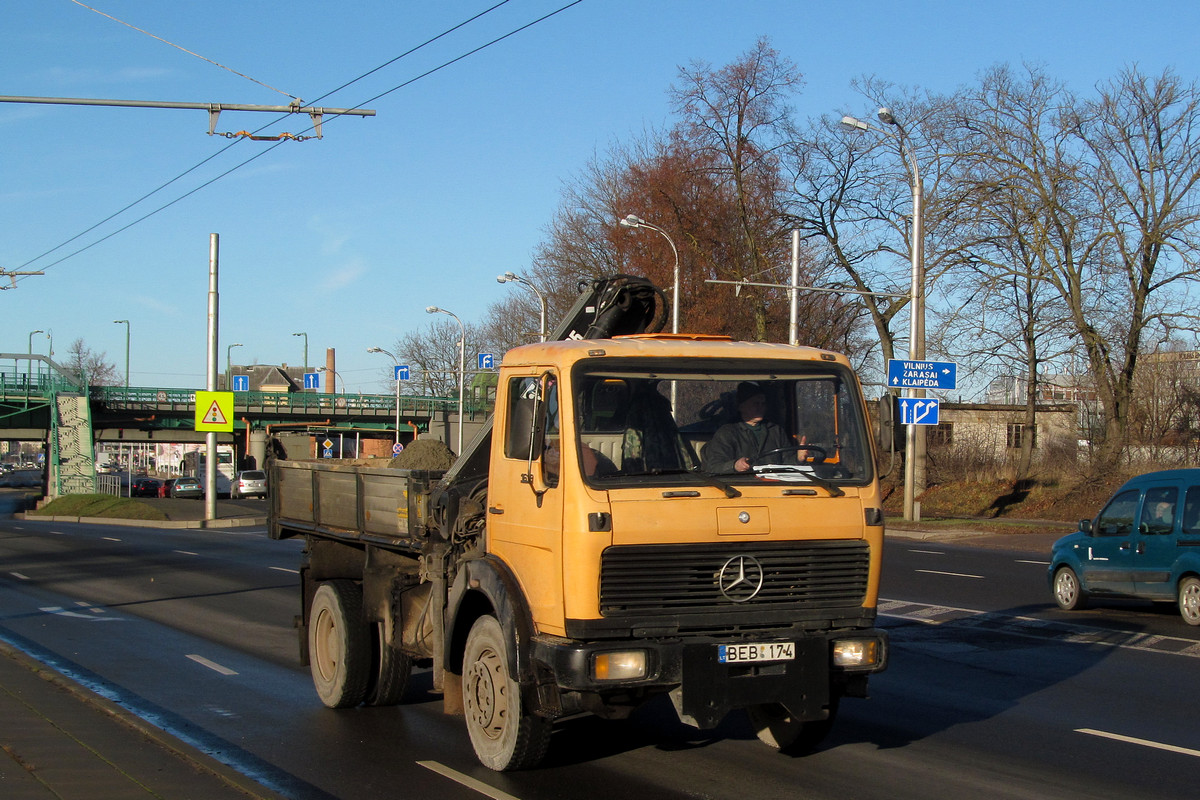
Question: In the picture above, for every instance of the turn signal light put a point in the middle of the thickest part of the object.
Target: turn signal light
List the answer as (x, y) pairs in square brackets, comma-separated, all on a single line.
[(619, 666)]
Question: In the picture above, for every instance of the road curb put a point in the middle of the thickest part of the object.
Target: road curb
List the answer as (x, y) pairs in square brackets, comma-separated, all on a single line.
[(196, 758), (237, 522)]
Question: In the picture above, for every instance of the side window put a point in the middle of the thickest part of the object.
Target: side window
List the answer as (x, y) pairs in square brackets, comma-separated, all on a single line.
[(551, 452), (1158, 511), (1117, 517), (1191, 512), (522, 400)]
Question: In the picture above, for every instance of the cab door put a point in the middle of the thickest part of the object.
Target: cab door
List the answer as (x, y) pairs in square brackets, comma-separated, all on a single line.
[(1155, 547), (1108, 563), (525, 504)]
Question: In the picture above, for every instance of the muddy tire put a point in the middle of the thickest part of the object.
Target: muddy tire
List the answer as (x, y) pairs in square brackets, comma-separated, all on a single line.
[(503, 734), (778, 729), (389, 673), (339, 649)]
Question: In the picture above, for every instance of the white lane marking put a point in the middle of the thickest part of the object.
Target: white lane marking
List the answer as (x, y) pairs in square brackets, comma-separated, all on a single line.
[(1034, 627), (62, 612), (1170, 748), (285, 569), (951, 574), (110, 538), (59, 533), (1038, 563), (929, 552), (214, 666), (186, 553), (19, 576), (467, 781)]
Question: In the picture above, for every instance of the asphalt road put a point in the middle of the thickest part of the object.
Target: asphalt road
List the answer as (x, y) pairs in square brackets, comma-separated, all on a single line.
[(991, 691)]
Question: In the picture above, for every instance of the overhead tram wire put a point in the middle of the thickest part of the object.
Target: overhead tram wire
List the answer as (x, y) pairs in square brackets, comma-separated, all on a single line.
[(276, 144)]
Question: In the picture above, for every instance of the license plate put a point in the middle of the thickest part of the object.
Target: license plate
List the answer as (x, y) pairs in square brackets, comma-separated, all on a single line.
[(756, 652)]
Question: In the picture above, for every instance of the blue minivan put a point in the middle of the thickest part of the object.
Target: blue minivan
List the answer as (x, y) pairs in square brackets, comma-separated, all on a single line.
[(1144, 543)]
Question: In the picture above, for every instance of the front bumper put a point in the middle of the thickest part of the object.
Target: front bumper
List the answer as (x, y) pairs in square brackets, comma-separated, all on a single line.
[(704, 688)]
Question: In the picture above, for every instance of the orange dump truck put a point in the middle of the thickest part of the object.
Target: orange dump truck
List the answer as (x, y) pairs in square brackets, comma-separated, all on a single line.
[(586, 555)]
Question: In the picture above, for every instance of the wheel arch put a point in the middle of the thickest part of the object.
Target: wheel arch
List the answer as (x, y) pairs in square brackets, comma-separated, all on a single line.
[(487, 586)]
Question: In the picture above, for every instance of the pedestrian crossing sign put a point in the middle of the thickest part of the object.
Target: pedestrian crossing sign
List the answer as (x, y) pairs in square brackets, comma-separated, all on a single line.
[(214, 411)]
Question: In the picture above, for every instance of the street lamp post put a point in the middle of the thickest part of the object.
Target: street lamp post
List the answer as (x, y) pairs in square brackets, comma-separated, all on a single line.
[(228, 365), (29, 363), (633, 221), (462, 374), (914, 440), (512, 277), (336, 377), (305, 335), (125, 322), (396, 375)]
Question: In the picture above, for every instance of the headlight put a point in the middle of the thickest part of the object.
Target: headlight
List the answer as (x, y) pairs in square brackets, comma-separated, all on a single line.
[(852, 653), (619, 666)]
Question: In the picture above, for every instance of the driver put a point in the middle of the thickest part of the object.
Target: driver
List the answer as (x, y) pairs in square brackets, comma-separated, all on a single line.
[(735, 445)]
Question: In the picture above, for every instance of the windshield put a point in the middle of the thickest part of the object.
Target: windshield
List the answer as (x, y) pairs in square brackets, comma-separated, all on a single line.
[(792, 422)]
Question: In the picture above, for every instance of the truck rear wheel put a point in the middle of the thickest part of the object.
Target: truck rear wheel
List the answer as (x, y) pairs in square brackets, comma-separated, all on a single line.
[(504, 736), (778, 729), (391, 668), (338, 646)]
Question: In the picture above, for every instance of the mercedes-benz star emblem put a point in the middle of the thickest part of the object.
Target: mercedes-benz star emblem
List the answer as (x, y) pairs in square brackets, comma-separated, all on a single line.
[(740, 579)]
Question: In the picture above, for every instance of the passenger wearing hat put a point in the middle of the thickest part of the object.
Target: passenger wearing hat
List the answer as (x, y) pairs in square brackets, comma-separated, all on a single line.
[(735, 445)]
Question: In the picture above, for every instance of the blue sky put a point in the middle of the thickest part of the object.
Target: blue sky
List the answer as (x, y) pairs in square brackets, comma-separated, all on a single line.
[(455, 180)]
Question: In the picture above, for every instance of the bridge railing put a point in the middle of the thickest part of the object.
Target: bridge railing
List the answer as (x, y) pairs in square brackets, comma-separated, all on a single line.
[(300, 402), (38, 375)]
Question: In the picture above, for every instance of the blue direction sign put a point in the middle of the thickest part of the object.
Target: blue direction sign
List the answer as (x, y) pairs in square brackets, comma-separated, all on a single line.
[(919, 411), (312, 380), (401, 372), (905, 374), (487, 361), (241, 383)]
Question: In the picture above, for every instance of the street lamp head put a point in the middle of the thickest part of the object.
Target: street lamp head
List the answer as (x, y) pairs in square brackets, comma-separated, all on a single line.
[(632, 221), (299, 334), (237, 344), (432, 309), (120, 322), (374, 350), (502, 279), (853, 124), (885, 116)]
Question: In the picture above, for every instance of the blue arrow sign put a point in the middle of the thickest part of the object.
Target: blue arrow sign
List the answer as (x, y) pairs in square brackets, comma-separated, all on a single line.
[(904, 374), (919, 411), (241, 383), (401, 372), (487, 361), (312, 380)]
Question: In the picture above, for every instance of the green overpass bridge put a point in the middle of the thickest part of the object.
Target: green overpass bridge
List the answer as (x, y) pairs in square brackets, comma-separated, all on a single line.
[(41, 400)]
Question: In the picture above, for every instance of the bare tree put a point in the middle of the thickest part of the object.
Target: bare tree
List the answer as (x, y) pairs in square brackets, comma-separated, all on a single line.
[(433, 356), (95, 367)]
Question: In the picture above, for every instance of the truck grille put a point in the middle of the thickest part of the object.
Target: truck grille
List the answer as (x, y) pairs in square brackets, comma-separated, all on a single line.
[(649, 580)]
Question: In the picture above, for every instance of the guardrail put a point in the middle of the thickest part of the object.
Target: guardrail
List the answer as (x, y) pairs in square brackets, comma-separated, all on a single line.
[(317, 402)]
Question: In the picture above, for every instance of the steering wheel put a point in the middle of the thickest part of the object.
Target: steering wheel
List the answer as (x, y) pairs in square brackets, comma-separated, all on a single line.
[(817, 459)]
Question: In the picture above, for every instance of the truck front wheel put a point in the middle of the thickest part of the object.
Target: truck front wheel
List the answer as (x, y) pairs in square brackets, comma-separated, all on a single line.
[(779, 729), (338, 647), (504, 736)]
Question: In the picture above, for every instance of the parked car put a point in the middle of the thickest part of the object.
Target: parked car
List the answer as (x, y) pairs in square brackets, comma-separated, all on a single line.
[(185, 487), (249, 483), (1144, 543), (145, 487)]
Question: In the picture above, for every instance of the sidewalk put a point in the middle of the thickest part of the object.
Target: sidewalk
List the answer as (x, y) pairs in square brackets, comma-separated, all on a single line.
[(62, 741)]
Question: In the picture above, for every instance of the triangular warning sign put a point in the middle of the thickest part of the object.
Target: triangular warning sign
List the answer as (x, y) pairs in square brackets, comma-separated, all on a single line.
[(214, 416)]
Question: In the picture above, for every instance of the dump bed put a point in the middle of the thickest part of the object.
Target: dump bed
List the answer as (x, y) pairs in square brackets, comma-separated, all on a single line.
[(350, 502)]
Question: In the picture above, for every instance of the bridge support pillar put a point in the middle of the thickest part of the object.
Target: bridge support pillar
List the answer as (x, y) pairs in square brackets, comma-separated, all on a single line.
[(257, 451)]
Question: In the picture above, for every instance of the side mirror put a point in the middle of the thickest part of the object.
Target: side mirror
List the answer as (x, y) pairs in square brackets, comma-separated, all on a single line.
[(1085, 526)]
